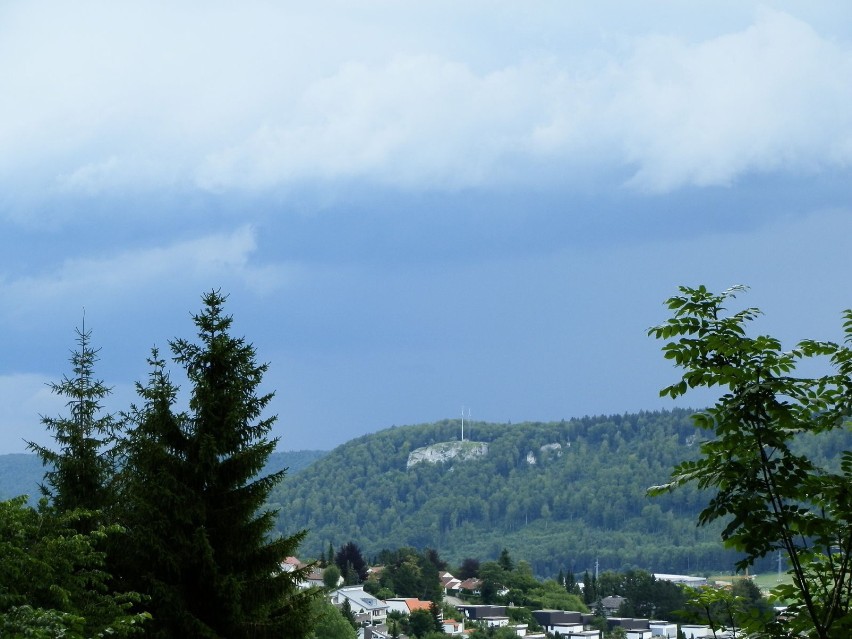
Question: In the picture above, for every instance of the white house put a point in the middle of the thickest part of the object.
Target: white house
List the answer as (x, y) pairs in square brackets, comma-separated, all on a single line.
[(495, 622), (565, 629), (449, 583), (407, 605), (364, 605), (696, 632), (663, 629), (452, 627)]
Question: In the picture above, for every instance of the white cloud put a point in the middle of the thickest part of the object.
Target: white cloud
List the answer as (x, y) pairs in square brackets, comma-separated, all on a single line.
[(111, 280), (772, 97), (112, 97)]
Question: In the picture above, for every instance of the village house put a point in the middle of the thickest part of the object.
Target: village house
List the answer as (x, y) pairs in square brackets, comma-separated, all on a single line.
[(407, 605), (473, 586), (663, 629), (560, 622), (611, 604), (365, 607), (450, 584), (452, 627), (478, 612)]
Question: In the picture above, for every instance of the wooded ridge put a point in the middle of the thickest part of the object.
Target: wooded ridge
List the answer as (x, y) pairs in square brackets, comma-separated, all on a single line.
[(561, 495)]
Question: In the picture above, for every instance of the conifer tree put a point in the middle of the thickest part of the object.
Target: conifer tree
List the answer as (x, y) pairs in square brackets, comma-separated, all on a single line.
[(214, 570), (80, 471), (157, 508)]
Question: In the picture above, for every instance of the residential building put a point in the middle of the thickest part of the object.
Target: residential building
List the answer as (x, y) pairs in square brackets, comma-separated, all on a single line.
[(365, 606)]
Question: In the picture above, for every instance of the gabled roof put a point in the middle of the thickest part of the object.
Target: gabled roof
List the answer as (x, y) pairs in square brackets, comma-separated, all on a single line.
[(613, 602), (471, 584), (417, 604), (359, 599), (315, 575), (412, 603), (449, 582)]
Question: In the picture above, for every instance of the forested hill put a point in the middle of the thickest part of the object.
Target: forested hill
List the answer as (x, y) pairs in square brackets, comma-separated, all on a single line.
[(20, 474), (557, 494)]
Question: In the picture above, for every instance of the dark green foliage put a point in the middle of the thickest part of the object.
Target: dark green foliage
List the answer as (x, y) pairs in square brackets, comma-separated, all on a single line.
[(647, 596), (331, 577), (53, 581), (469, 568), (593, 485), (505, 561), (493, 633), (571, 585), (741, 609), (420, 623), (410, 573), (435, 611), (493, 581), (159, 507), (590, 591), (769, 496), (198, 529), (351, 562), (329, 622), (80, 470), (346, 611)]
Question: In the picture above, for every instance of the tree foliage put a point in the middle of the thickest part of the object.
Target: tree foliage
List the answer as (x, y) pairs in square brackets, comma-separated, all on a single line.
[(646, 596), (411, 573), (195, 502), (420, 623), (53, 581), (330, 623), (351, 563), (185, 493), (769, 496), (80, 469), (593, 484)]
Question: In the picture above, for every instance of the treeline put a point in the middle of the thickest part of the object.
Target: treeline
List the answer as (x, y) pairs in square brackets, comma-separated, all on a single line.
[(558, 507), (156, 521)]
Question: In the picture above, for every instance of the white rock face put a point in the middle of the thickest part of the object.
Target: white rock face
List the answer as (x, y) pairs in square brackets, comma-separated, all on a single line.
[(556, 447), (445, 451)]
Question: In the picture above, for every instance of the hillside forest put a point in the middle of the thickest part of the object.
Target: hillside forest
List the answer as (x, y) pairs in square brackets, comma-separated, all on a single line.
[(564, 507)]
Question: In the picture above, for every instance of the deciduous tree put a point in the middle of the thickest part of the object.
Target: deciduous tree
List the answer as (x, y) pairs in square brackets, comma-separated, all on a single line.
[(53, 581), (771, 497), (351, 562)]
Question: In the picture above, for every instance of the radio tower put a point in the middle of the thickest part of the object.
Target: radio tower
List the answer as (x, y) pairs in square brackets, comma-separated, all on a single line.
[(468, 416)]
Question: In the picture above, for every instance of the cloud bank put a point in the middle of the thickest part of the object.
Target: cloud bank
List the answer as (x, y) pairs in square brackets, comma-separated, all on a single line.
[(269, 98), (146, 274)]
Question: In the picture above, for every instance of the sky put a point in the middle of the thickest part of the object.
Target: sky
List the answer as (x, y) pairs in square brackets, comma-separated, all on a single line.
[(415, 207)]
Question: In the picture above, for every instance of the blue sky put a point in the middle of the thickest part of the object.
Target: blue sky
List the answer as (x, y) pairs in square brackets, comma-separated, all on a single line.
[(415, 206)]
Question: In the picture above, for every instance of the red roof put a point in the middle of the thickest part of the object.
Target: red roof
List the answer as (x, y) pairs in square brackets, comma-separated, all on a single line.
[(416, 604)]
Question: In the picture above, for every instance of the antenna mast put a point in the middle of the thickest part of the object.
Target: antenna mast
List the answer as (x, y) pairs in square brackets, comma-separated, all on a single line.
[(468, 416)]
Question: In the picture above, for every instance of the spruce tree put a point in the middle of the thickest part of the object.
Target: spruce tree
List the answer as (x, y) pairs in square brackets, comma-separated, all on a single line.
[(197, 499), (157, 507), (80, 470)]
